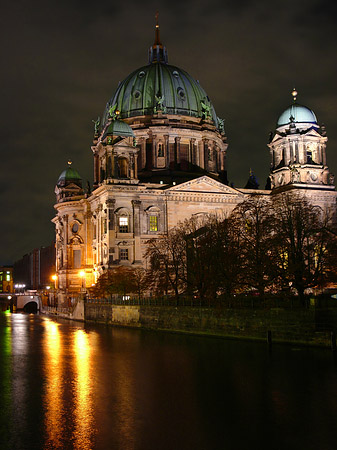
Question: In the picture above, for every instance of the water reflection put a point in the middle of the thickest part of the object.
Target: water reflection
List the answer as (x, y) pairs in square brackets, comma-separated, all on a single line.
[(83, 411), (70, 386), (5, 376), (19, 391), (54, 425)]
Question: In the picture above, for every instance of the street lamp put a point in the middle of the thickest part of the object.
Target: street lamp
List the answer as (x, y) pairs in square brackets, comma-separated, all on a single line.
[(82, 275), (54, 278), (20, 288)]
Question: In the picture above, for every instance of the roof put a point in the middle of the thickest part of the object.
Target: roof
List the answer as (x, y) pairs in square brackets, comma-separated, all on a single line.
[(69, 174), (160, 87), (119, 128), (296, 113)]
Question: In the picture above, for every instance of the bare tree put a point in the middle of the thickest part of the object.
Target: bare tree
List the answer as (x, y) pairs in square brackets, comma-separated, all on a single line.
[(254, 226), (167, 258), (303, 242)]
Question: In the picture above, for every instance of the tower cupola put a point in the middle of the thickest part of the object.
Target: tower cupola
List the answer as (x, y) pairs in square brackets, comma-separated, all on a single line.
[(298, 149)]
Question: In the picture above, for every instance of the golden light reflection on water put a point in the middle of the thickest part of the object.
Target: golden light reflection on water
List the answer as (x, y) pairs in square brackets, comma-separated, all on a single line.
[(83, 412), (54, 424)]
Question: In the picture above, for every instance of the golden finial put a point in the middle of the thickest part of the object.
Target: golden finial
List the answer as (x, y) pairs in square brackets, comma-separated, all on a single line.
[(294, 94)]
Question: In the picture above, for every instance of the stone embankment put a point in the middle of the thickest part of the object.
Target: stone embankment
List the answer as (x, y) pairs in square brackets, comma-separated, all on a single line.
[(309, 326)]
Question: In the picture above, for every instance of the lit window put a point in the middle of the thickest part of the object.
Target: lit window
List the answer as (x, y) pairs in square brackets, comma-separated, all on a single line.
[(124, 254), (8, 277), (123, 224), (153, 223)]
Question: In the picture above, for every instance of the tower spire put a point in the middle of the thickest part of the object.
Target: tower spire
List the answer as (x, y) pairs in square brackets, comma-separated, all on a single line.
[(157, 37), (157, 52)]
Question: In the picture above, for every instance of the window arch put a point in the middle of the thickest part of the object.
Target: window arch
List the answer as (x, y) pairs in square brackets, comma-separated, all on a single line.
[(153, 219), (123, 221)]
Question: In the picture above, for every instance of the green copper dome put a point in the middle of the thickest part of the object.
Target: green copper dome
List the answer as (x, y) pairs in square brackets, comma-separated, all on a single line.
[(119, 128), (161, 87), (69, 175), (297, 114)]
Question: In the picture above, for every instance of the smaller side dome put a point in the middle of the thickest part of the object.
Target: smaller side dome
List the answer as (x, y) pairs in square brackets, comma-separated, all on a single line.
[(119, 128), (69, 175), (69, 185), (297, 114)]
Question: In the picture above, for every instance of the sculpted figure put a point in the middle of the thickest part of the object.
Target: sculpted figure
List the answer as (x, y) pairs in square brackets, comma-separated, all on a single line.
[(206, 110), (112, 111), (159, 103), (221, 123), (97, 124)]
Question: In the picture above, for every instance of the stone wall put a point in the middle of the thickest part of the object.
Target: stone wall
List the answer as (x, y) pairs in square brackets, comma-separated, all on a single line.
[(303, 326)]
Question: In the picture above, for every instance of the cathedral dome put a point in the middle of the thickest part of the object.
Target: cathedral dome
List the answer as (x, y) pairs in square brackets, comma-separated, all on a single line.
[(296, 113), (160, 86)]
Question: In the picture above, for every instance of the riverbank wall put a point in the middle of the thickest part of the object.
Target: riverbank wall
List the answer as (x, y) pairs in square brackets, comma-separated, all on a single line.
[(308, 326)]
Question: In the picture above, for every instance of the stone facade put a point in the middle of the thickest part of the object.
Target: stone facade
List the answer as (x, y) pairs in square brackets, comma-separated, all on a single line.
[(159, 158)]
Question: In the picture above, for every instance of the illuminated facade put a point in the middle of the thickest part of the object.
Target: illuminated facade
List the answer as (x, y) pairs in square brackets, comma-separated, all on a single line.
[(159, 155), (6, 279)]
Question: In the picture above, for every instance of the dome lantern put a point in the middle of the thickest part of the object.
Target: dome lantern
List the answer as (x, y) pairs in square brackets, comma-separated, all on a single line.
[(157, 51)]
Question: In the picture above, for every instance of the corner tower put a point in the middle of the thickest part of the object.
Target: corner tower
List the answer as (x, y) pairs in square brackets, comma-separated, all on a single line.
[(298, 151)]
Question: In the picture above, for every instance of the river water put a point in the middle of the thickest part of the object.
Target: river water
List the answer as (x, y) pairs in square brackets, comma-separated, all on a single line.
[(65, 385)]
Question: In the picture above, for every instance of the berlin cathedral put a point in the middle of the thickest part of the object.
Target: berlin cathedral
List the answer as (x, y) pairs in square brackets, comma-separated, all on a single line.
[(159, 156)]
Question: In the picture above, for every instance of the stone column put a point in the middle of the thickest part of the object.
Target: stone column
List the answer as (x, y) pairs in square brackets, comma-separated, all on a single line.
[(136, 205), (192, 151), (167, 150), (205, 155), (177, 150), (154, 151), (115, 167), (110, 203), (96, 169), (324, 154), (109, 165), (142, 142), (66, 248), (287, 153)]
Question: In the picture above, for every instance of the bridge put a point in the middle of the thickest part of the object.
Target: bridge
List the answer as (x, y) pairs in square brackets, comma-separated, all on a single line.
[(28, 302)]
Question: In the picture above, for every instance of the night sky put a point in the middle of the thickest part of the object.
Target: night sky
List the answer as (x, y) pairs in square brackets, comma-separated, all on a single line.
[(62, 61)]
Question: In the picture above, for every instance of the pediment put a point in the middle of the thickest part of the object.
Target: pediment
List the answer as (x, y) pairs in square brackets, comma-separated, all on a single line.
[(72, 187), (204, 184), (310, 132)]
